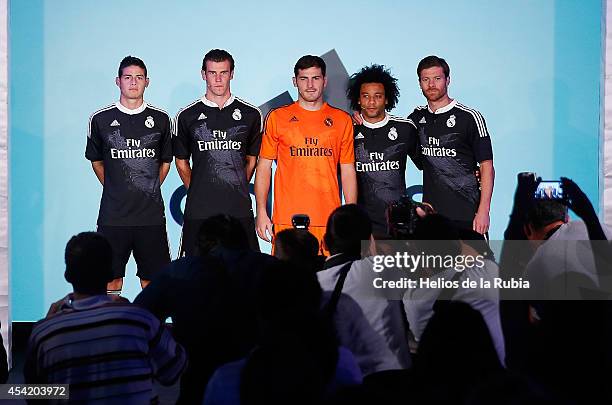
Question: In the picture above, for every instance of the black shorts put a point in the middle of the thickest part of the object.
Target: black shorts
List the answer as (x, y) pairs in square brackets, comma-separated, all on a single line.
[(191, 228), (149, 244)]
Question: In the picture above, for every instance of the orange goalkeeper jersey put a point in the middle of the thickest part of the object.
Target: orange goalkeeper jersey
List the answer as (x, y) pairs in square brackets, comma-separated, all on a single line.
[(307, 147)]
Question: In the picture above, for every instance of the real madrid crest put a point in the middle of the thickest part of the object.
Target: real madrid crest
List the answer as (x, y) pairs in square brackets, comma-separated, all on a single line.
[(237, 115), (149, 123), (392, 134), (450, 122), (328, 122)]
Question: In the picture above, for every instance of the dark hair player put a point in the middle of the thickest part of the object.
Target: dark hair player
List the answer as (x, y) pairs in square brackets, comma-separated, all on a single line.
[(382, 143), (221, 134), (129, 146), (454, 141)]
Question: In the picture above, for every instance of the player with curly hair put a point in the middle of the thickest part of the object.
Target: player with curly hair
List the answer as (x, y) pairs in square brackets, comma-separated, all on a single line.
[(382, 143)]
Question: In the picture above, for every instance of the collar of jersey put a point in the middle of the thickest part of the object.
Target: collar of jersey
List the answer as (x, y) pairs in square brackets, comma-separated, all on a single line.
[(378, 124), (444, 109), (126, 110), (213, 104)]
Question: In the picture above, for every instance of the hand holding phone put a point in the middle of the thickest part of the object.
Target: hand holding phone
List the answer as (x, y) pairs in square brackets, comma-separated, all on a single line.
[(577, 200)]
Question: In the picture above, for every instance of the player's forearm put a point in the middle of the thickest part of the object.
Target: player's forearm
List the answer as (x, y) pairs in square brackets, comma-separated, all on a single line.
[(348, 177), (251, 162), (184, 171), (164, 168), (262, 185), (487, 179), (98, 168)]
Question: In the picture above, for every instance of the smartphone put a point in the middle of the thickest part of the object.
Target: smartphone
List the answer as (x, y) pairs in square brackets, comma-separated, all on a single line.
[(549, 190)]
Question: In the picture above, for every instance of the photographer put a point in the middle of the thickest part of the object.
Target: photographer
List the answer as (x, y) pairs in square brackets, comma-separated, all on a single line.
[(347, 227), (545, 224), (435, 237), (210, 299), (561, 335), (539, 219)]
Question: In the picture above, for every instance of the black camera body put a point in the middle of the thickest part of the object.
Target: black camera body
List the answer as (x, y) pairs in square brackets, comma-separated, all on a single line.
[(402, 218), (300, 221)]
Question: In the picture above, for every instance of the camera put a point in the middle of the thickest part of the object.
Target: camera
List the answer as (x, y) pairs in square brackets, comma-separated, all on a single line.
[(300, 221), (402, 218)]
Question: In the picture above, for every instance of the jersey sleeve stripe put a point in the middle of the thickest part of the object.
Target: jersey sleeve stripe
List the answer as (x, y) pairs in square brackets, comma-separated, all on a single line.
[(482, 129), (265, 121), (398, 119), (401, 119), (246, 103), (158, 109), (185, 108), (261, 119), (170, 120), (91, 117), (176, 118)]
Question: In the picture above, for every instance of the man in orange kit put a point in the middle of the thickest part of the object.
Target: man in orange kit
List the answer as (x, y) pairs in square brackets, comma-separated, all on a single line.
[(309, 140)]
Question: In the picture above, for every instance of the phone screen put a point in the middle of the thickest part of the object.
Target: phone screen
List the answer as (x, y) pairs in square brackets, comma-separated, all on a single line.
[(549, 190)]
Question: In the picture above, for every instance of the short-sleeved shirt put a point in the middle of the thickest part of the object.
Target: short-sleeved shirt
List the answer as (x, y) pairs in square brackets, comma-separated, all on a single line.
[(381, 150), (132, 144), (218, 140), (307, 147), (453, 140)]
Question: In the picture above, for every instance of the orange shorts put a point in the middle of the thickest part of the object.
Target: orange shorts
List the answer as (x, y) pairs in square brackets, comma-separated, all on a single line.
[(317, 231)]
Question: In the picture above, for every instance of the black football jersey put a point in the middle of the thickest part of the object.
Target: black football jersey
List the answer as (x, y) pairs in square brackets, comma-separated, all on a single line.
[(132, 144), (453, 140), (218, 141), (381, 150)]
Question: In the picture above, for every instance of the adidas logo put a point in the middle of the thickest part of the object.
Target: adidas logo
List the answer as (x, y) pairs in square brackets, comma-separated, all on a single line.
[(293, 119), (359, 136), (115, 123), (202, 117), (423, 121)]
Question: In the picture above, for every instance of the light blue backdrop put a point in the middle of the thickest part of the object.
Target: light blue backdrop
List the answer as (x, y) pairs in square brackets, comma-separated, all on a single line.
[(531, 67)]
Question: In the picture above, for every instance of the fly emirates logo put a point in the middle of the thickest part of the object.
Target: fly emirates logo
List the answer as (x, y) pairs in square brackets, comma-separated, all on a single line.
[(377, 163), (219, 142), (132, 151), (433, 149), (311, 148)]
